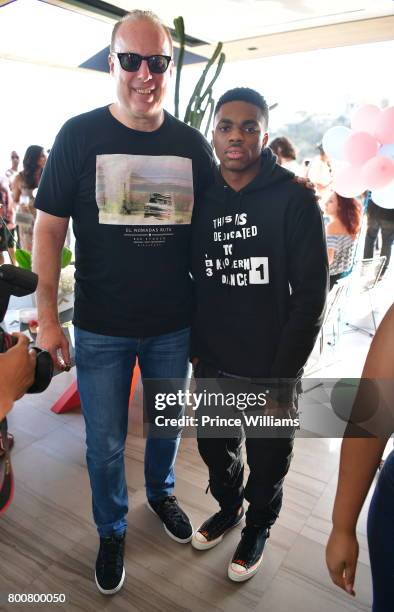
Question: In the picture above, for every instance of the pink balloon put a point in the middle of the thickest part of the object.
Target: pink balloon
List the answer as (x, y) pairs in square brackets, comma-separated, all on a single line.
[(384, 130), (348, 181), (378, 172), (365, 118), (360, 147)]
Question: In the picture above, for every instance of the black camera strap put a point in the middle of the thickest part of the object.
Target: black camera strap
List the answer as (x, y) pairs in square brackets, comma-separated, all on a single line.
[(6, 476)]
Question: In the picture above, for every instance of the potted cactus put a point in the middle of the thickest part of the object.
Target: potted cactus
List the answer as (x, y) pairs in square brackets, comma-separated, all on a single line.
[(201, 104)]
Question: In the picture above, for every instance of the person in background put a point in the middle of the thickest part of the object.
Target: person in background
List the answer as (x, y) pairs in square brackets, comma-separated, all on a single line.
[(7, 241), (382, 219), (359, 462), (341, 233), (286, 154), (7, 225), (319, 172), (23, 190), (13, 171)]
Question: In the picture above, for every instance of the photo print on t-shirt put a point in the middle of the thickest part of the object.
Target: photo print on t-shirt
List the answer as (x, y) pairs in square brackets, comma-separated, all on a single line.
[(144, 189)]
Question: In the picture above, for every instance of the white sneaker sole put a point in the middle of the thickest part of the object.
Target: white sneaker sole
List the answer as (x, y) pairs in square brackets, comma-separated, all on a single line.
[(241, 576), (111, 591), (168, 532), (211, 543)]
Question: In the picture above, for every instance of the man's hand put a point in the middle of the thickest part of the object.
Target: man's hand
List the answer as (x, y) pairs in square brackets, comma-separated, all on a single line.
[(307, 183), (17, 369), (52, 338), (280, 410), (341, 559)]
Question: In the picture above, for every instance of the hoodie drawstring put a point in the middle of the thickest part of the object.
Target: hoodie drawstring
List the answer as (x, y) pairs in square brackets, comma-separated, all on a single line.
[(231, 256)]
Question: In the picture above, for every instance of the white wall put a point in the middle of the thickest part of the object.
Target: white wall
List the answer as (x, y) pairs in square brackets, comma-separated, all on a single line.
[(40, 99)]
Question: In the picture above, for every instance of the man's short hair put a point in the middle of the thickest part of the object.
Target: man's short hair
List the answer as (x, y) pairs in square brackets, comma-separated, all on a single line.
[(136, 15), (244, 94)]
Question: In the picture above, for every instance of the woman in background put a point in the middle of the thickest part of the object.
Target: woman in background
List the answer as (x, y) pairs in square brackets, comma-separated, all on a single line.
[(319, 172), (360, 459), (7, 226), (285, 151), (24, 185), (341, 232)]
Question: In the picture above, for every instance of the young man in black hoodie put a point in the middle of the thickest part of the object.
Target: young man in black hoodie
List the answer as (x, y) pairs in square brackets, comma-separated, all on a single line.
[(260, 268)]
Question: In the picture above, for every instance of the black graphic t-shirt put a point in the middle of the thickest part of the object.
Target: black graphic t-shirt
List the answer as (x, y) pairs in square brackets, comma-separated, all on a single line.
[(260, 269), (131, 196)]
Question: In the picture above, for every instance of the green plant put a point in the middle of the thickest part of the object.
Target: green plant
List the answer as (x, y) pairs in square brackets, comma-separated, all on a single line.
[(201, 99), (24, 258)]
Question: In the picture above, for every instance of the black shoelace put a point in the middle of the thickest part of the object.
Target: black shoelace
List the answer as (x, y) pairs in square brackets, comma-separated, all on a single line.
[(251, 532), (218, 522), (111, 553), (171, 509), (220, 519), (247, 544)]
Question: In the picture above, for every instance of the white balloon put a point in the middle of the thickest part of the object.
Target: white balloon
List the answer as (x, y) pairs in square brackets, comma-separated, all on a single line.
[(384, 197), (334, 141)]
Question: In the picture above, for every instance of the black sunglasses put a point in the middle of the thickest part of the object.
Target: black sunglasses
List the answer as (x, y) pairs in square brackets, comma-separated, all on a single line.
[(131, 62)]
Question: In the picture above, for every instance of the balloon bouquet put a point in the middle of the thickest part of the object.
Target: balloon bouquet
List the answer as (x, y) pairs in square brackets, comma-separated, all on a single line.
[(363, 157)]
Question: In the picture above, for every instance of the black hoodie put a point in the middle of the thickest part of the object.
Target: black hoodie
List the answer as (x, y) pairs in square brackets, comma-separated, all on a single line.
[(260, 268)]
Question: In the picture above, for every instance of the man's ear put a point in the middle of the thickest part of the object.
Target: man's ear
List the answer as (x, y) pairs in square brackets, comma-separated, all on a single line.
[(265, 140), (111, 64)]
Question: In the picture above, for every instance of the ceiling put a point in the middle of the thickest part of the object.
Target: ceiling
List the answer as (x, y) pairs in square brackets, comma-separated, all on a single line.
[(74, 33), (232, 20)]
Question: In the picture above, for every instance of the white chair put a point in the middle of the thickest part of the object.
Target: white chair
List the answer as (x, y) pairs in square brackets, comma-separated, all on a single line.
[(366, 275)]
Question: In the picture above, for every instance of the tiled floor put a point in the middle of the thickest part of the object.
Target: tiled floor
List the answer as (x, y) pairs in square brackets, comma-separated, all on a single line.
[(48, 542)]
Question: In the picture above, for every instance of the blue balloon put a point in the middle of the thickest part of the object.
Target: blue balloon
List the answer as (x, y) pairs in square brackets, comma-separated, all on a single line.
[(387, 150)]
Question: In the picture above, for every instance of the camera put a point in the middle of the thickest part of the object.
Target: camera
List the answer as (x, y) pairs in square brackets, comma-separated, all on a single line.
[(18, 282)]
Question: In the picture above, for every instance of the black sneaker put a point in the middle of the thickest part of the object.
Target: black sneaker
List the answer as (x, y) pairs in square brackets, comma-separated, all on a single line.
[(249, 553), (212, 531), (110, 572), (175, 521)]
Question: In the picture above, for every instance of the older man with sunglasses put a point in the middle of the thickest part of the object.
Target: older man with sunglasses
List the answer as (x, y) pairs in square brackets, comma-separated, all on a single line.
[(127, 174)]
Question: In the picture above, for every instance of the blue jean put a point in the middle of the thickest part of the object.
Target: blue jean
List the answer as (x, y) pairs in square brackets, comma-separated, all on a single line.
[(381, 538), (104, 371)]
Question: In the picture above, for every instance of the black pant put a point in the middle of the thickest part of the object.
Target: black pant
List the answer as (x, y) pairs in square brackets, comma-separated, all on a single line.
[(379, 219), (268, 459)]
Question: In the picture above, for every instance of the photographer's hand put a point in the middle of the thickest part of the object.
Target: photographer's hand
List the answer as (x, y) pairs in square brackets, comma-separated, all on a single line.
[(52, 338), (17, 369)]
